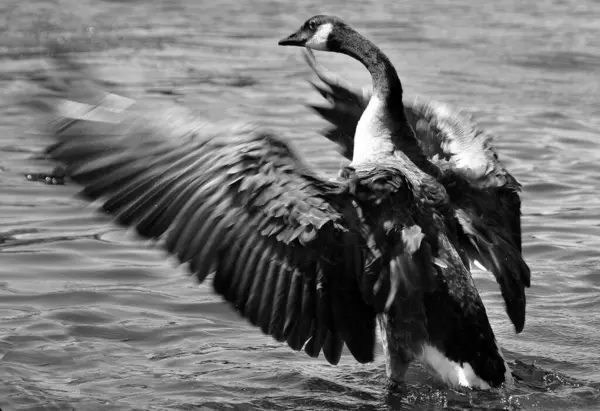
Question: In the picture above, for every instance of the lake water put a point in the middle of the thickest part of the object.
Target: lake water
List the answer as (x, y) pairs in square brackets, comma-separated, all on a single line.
[(91, 318)]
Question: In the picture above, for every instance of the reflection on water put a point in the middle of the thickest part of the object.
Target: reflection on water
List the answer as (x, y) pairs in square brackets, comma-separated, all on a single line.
[(92, 318)]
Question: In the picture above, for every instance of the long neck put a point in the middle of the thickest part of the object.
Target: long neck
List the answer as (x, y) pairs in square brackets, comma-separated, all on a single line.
[(384, 122), (386, 83)]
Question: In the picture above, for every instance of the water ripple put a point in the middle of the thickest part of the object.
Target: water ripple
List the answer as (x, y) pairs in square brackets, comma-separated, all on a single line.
[(93, 318)]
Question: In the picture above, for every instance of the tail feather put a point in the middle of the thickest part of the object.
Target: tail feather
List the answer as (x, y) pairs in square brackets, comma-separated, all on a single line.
[(462, 346)]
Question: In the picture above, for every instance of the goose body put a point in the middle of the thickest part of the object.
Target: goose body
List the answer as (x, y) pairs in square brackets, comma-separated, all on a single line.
[(312, 262), (482, 204), (484, 196)]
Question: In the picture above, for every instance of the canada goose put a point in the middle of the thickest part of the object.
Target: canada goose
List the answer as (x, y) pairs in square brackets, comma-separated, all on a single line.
[(484, 197), (313, 262)]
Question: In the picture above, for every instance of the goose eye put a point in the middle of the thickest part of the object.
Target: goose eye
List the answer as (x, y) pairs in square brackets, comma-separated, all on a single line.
[(312, 25)]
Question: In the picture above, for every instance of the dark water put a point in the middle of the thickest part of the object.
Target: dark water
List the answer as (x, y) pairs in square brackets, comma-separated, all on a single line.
[(93, 319)]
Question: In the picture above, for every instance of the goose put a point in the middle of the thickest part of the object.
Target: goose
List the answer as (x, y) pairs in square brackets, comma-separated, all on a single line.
[(314, 262), (484, 196)]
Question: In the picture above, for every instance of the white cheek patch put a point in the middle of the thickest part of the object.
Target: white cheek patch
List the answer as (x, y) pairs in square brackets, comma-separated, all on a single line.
[(318, 41)]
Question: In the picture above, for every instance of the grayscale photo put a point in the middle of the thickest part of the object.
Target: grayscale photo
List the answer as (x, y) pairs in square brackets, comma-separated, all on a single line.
[(299, 205)]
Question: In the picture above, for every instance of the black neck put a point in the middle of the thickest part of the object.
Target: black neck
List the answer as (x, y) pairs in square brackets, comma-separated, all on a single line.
[(386, 83), (386, 86)]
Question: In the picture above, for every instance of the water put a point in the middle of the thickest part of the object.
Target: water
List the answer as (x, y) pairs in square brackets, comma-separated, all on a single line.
[(93, 319)]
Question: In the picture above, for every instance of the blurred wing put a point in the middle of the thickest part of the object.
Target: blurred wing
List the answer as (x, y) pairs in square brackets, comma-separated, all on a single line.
[(490, 215), (288, 249), (348, 104)]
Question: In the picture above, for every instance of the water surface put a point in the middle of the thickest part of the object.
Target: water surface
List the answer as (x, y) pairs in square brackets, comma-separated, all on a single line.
[(91, 318)]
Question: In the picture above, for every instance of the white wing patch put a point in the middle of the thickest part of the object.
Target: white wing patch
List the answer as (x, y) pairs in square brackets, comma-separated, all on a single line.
[(318, 41)]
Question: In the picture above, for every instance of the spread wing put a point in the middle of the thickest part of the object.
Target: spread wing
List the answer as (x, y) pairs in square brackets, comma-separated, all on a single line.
[(289, 250), (488, 212)]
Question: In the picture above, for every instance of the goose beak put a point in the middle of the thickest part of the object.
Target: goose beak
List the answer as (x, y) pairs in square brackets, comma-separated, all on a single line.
[(296, 39)]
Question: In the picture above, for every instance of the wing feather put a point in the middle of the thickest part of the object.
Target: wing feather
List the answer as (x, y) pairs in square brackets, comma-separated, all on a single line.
[(290, 250), (484, 196)]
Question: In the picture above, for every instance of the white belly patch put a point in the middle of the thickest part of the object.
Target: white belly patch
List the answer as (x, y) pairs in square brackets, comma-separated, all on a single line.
[(451, 372)]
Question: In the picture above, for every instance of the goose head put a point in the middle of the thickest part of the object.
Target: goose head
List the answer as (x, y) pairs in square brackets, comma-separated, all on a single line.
[(320, 32)]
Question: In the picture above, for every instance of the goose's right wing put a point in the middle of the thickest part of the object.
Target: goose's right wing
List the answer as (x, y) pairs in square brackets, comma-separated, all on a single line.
[(488, 207), (484, 195), (289, 249)]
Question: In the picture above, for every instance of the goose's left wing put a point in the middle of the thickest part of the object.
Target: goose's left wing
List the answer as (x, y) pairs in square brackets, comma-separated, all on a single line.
[(289, 250)]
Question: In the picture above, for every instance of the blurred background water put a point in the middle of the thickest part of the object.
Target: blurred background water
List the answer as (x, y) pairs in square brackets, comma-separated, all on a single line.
[(93, 319)]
